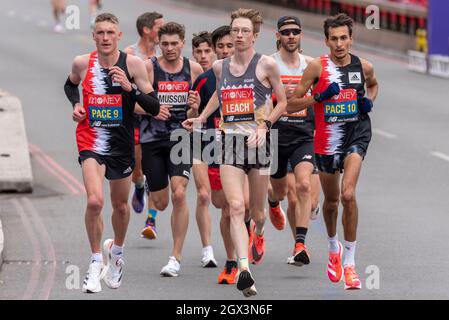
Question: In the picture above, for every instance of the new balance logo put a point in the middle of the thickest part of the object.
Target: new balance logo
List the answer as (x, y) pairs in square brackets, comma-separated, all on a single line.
[(128, 170), (354, 77), (307, 157), (186, 173)]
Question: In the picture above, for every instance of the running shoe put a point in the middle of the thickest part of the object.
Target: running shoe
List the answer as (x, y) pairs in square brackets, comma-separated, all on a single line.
[(149, 232), (277, 217), (207, 259), (334, 268), (58, 28), (245, 284), (314, 214), (95, 273), (300, 255), (352, 281), (138, 200), (114, 266), (257, 248), (229, 273), (172, 268)]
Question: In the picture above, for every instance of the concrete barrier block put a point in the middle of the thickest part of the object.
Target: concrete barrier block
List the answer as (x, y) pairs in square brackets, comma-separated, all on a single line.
[(15, 164)]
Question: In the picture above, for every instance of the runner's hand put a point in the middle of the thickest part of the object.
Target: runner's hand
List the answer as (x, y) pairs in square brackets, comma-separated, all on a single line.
[(79, 113), (194, 100), (164, 113), (192, 123), (258, 137), (119, 76), (290, 88)]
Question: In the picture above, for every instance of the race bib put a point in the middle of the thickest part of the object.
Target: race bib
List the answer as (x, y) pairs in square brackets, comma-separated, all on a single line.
[(105, 110), (342, 108), (237, 105), (174, 93), (297, 117)]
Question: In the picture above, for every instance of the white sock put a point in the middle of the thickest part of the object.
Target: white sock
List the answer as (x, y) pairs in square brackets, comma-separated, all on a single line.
[(96, 257), (349, 253), (333, 243), (208, 248), (116, 250)]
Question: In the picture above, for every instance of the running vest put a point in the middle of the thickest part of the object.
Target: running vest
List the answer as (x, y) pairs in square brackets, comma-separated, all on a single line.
[(108, 126), (298, 127), (244, 101), (336, 118), (171, 89)]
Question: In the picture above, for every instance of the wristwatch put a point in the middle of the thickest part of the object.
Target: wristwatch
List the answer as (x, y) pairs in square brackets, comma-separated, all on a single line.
[(317, 97), (268, 124)]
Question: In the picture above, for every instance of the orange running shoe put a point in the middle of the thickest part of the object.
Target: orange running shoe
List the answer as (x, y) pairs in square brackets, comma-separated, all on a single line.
[(257, 248), (300, 255), (277, 216), (334, 268), (352, 281), (229, 273)]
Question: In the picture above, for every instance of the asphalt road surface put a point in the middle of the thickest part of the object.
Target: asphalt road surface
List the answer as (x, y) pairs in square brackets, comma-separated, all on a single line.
[(402, 192)]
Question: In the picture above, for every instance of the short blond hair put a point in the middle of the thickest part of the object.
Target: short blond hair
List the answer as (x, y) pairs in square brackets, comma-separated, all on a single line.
[(109, 17), (251, 14)]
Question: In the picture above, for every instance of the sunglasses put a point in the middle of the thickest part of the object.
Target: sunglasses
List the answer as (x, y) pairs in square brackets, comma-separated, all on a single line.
[(286, 32)]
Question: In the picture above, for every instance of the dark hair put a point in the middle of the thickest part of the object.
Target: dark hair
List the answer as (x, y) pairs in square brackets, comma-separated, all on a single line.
[(109, 17), (172, 28), (340, 20), (147, 19), (202, 37), (219, 33), (251, 14)]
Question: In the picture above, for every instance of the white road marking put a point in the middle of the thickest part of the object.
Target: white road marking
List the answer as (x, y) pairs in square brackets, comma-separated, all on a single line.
[(385, 134), (440, 155)]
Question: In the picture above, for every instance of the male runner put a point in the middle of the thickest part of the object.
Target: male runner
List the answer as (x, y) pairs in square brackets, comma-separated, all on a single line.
[(245, 82), (58, 7), (295, 141), (172, 76), (104, 136), (343, 133), (205, 56), (206, 85), (148, 25)]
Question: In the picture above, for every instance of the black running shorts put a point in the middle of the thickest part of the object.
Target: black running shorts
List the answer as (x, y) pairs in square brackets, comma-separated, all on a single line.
[(291, 156), (158, 165), (116, 167)]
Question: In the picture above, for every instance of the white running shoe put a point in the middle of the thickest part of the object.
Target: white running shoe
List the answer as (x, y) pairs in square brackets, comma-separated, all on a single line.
[(95, 273), (172, 268), (58, 28), (207, 259), (114, 266), (314, 214)]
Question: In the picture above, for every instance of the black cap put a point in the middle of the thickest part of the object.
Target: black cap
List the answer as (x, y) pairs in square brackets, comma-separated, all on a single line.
[(288, 20)]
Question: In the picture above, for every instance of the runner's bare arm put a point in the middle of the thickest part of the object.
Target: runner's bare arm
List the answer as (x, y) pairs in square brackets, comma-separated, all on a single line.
[(274, 77), (372, 87), (79, 67), (144, 94), (194, 97), (297, 101), (213, 103)]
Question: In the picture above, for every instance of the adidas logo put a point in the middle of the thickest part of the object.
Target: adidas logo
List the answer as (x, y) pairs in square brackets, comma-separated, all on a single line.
[(128, 170), (354, 77)]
